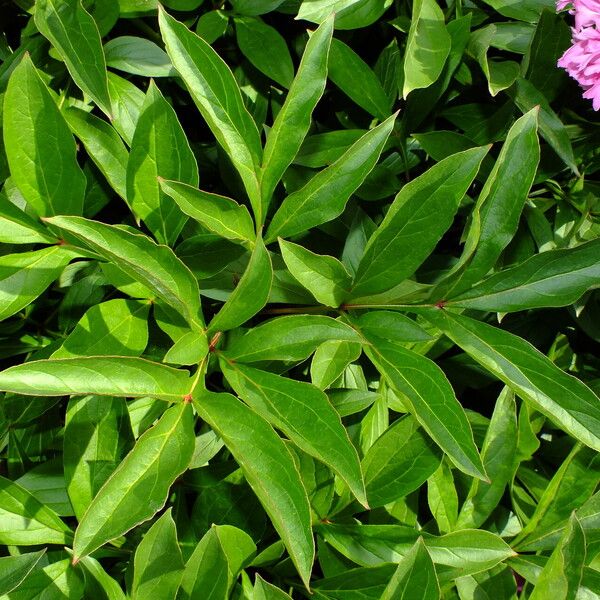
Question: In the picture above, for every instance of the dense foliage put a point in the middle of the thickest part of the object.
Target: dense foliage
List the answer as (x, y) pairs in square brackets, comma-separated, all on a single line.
[(297, 301)]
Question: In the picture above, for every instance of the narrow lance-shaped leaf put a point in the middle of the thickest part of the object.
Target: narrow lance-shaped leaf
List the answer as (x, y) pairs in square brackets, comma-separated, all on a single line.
[(155, 266), (101, 375), (40, 149), (17, 227), (415, 222), (138, 488), (331, 360), (250, 294), (552, 278), (218, 97), (266, 591), (561, 397), (74, 34), (293, 121), (324, 197), (14, 569), (138, 56), (269, 469), (56, 579), (432, 399), (303, 413)]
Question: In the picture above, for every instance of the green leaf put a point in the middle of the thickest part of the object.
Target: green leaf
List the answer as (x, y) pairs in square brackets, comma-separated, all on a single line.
[(98, 582), (254, 7), (189, 349), (303, 413), (427, 47), (498, 454), (291, 338), (330, 361), (415, 222), (269, 469), (432, 401), (265, 591), (24, 276), (324, 197), (26, 521), (357, 80), (34, 128), (325, 277), (97, 436), (139, 486), (15, 569), (101, 375), (127, 100), (156, 267), (415, 572), (392, 326), (74, 34), (553, 278), (293, 121), (349, 14), (399, 462), (218, 97), (561, 397), (563, 572), (355, 584), (117, 327), (265, 48), (17, 227), (442, 498), (137, 56), (158, 564), (219, 214), (159, 149)]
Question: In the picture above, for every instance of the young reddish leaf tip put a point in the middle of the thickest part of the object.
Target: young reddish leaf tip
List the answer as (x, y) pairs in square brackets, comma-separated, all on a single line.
[(440, 304), (74, 561), (187, 399), (214, 341)]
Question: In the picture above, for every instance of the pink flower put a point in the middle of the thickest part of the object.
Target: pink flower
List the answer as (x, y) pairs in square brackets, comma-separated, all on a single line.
[(587, 13), (562, 4)]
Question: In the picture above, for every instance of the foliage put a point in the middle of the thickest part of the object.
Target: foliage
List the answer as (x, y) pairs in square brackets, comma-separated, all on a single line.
[(297, 301)]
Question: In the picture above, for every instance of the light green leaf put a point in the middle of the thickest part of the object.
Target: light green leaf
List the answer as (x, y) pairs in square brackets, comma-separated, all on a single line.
[(15, 569), (40, 149), (101, 375), (349, 14), (138, 56), (99, 582), (293, 120), (159, 149), (268, 468), (17, 227), (265, 591), (218, 97), (74, 34), (291, 338), (127, 100), (399, 462), (415, 222), (219, 214), (561, 397), (357, 80), (442, 498), (390, 325), (189, 349), (325, 277), (156, 267), (24, 276), (157, 563), (330, 361), (250, 294), (303, 413), (255, 7), (324, 197), (432, 399), (427, 47), (139, 486)]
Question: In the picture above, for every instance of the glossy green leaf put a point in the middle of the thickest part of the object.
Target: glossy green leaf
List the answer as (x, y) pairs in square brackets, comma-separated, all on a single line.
[(218, 97), (156, 267), (139, 486), (33, 127), (255, 7), (97, 436), (553, 278), (357, 80), (415, 222), (138, 56), (399, 462), (293, 120), (324, 197), (189, 349), (392, 326), (415, 572), (349, 14), (15, 569), (17, 227), (432, 400), (561, 397), (291, 338), (158, 564), (442, 498), (269, 469), (219, 214), (355, 584), (330, 361), (265, 591), (117, 327), (159, 149), (303, 413), (250, 294), (74, 34), (99, 582), (101, 375), (325, 277), (127, 100), (24, 276), (26, 521), (427, 47)]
